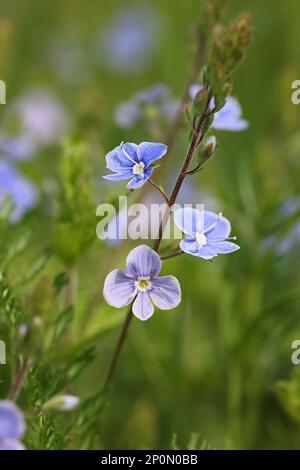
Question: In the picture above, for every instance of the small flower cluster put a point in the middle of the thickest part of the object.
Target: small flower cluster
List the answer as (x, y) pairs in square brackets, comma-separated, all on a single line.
[(149, 104), (207, 233)]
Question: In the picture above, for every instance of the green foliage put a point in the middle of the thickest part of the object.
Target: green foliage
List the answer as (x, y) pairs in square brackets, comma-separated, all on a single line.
[(74, 229), (288, 393)]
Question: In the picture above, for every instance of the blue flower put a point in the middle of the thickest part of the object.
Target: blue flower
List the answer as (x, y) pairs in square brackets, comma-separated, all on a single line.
[(134, 162), (140, 281), (41, 120), (12, 426), (129, 40), (152, 102), (19, 147), (229, 117), (21, 191), (208, 233)]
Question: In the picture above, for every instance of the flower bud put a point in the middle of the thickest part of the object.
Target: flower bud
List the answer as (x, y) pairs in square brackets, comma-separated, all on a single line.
[(207, 150), (62, 403)]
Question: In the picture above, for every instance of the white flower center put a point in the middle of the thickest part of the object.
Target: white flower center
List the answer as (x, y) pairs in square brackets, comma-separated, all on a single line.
[(201, 239), (143, 284), (138, 169)]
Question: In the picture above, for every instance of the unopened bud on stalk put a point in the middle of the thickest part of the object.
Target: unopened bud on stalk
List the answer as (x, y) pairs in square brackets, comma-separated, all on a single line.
[(62, 403), (200, 102), (207, 150)]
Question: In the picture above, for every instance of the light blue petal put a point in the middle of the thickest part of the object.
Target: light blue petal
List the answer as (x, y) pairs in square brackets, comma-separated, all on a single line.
[(118, 289), (194, 90), (131, 151), (189, 220), (229, 117), (188, 245), (149, 152), (223, 247), (12, 425), (142, 307), (192, 248), (11, 444), (138, 182), (118, 161), (142, 261), (219, 230), (165, 292), (118, 176)]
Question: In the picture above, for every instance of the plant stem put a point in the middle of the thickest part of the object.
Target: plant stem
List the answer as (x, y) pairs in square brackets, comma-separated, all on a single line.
[(197, 135), (196, 139), (119, 345), (160, 190), (70, 288), (16, 387), (172, 255)]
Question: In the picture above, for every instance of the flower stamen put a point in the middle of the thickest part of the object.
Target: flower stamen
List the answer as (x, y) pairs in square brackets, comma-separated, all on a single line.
[(143, 284), (201, 239), (138, 169)]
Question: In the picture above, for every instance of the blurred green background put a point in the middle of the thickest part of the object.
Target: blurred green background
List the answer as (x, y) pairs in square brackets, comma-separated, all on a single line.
[(218, 366)]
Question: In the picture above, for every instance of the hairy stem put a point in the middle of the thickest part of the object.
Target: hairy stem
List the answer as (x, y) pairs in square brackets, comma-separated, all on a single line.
[(16, 387)]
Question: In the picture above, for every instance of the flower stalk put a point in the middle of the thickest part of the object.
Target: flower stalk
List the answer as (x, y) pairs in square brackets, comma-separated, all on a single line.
[(195, 141)]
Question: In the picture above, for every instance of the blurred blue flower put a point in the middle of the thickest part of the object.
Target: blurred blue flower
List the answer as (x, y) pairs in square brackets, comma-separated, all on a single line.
[(140, 281), (287, 243), (127, 114), (208, 233), (289, 207), (155, 101), (128, 41), (229, 118), (21, 190), (17, 148), (134, 162), (12, 426), (288, 215), (41, 120)]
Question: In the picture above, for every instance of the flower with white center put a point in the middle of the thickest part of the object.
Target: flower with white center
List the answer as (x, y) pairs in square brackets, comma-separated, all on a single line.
[(134, 162), (208, 233), (12, 426), (140, 283)]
